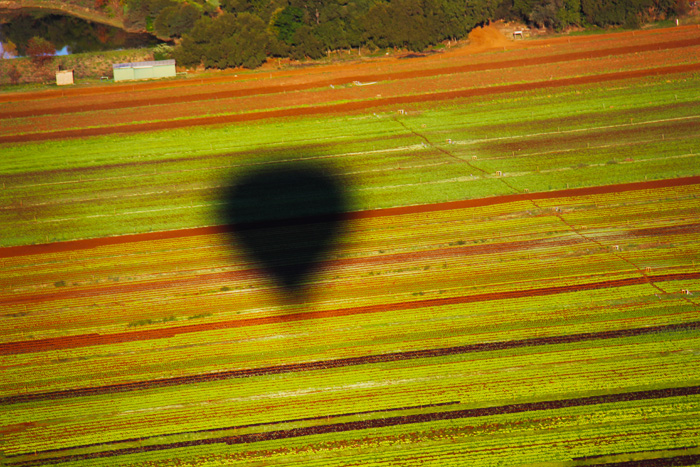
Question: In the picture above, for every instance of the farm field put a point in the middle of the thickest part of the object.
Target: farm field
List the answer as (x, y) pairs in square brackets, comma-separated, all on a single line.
[(515, 283)]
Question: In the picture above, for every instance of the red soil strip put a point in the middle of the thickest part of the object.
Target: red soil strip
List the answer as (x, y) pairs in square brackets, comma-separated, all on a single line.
[(406, 420), (347, 107), (143, 102), (87, 340), (74, 245)]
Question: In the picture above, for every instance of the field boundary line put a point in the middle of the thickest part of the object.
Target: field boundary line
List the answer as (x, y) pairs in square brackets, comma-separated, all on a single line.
[(73, 245)]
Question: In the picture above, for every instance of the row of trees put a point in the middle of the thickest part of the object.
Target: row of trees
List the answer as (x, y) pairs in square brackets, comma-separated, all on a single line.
[(559, 14), (245, 32)]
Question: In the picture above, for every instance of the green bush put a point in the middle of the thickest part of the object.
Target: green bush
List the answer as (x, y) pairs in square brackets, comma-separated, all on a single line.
[(163, 52), (226, 41)]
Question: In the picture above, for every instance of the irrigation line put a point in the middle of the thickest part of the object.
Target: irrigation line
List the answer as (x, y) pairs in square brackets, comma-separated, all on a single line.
[(557, 213), (442, 150)]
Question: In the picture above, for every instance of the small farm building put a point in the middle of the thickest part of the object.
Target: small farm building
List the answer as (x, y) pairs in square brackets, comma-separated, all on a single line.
[(64, 77), (144, 70)]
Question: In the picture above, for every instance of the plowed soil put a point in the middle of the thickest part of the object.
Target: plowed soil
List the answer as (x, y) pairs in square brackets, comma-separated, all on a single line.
[(144, 101), (318, 90)]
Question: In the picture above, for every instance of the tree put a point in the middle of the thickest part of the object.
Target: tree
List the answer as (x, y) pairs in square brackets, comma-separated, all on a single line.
[(41, 51), (480, 11), (408, 24), (306, 44), (193, 47), (14, 74), (286, 22), (557, 14), (226, 41), (176, 20), (9, 50)]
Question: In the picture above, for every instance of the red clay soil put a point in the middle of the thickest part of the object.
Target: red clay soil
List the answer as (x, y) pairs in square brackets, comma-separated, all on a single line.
[(86, 340), (140, 101), (47, 248), (347, 108), (347, 70), (45, 122)]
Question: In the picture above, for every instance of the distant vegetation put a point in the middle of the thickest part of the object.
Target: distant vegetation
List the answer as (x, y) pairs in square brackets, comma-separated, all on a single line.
[(247, 32)]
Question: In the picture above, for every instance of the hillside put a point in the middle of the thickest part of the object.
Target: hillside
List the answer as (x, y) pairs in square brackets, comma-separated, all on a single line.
[(80, 8)]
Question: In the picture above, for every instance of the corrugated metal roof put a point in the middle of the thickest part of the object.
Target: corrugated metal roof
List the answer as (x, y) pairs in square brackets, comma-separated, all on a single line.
[(144, 64)]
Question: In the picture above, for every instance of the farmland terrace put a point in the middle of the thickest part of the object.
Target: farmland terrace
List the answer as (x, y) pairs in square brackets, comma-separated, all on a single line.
[(512, 280)]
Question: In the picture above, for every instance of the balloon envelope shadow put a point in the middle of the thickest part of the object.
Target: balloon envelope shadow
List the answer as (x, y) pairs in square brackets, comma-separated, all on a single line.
[(286, 217)]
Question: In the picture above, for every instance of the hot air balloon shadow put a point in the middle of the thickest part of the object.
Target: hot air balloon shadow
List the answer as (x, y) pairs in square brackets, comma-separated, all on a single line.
[(287, 218)]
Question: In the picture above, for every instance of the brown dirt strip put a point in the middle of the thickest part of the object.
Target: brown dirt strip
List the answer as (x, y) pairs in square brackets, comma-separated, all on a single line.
[(239, 427), (112, 89), (394, 421), (349, 361), (87, 340), (74, 245), (144, 102), (346, 107)]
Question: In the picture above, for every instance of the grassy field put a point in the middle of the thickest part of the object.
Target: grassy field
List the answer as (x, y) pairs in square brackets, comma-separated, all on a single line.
[(516, 284)]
